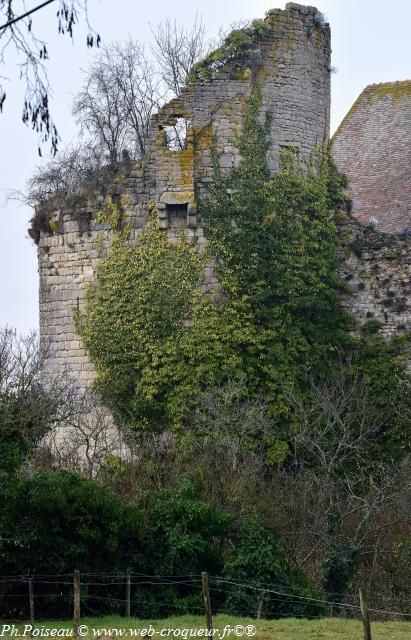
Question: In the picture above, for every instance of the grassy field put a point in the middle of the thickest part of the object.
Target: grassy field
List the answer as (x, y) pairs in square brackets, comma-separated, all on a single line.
[(287, 629)]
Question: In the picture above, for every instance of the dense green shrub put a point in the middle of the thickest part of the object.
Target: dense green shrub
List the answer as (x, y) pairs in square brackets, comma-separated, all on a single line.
[(54, 522), (257, 562), (182, 536), (340, 567), (62, 521), (182, 531)]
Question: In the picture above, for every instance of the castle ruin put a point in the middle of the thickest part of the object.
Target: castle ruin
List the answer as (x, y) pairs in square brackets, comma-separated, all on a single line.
[(290, 58)]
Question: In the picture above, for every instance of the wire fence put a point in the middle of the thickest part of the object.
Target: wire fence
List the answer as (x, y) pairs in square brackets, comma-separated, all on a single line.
[(142, 595)]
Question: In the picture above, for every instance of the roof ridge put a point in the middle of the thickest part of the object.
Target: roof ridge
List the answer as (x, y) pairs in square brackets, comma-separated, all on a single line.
[(388, 83), (396, 89)]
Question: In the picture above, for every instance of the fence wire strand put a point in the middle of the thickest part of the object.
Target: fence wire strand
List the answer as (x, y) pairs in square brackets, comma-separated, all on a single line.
[(268, 592)]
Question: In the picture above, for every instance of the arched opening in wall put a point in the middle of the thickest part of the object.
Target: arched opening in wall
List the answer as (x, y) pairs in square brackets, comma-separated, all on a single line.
[(177, 215), (176, 134)]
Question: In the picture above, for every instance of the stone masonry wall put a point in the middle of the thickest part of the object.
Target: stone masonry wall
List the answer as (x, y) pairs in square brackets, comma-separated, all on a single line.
[(67, 261), (377, 269), (292, 66)]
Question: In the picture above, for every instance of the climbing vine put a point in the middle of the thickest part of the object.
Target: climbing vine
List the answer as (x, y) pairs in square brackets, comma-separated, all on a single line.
[(157, 341), (276, 240), (141, 296)]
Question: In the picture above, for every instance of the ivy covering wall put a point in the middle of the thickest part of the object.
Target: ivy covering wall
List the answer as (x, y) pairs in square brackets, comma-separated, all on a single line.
[(156, 341)]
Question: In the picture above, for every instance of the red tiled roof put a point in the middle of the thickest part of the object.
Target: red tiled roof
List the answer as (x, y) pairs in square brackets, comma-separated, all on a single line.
[(372, 147)]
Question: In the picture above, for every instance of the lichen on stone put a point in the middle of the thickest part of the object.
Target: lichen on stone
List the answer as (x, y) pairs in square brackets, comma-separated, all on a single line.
[(239, 46)]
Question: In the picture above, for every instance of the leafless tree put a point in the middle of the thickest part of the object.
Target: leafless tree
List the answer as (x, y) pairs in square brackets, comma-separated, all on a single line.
[(65, 176), (76, 171), (226, 417), (87, 437), (120, 93), (140, 90), (30, 405), (336, 497), (177, 49), (336, 426), (17, 34), (98, 108), (40, 413)]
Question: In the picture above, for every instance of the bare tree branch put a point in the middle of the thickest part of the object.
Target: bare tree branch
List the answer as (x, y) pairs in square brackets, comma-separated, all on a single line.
[(119, 96), (32, 54), (177, 49), (30, 405)]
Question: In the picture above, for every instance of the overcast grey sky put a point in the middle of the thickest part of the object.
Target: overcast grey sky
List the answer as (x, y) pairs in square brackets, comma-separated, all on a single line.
[(370, 42)]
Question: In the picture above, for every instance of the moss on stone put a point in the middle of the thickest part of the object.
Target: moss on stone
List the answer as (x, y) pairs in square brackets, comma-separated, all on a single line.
[(238, 46), (394, 90)]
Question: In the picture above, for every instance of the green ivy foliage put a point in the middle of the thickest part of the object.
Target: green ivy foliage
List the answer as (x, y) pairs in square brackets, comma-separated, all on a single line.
[(276, 241), (383, 366), (156, 341), (153, 337), (139, 300)]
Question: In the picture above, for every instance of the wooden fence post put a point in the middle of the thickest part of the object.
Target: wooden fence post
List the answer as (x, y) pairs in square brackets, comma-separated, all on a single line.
[(260, 605), (207, 603), (128, 595), (31, 596), (364, 615), (76, 616)]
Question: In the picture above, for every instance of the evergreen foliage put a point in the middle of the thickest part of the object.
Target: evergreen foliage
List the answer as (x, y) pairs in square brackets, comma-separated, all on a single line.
[(276, 241), (141, 298), (277, 321), (54, 522), (155, 341)]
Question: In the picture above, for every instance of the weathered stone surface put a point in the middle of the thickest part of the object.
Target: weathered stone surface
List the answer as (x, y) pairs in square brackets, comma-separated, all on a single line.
[(376, 267), (372, 147), (293, 71)]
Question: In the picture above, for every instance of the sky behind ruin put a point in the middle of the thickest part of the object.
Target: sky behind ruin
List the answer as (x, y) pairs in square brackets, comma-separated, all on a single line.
[(370, 43)]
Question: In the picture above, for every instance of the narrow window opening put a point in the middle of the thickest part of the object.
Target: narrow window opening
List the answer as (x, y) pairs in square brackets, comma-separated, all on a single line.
[(176, 134), (84, 221), (177, 215)]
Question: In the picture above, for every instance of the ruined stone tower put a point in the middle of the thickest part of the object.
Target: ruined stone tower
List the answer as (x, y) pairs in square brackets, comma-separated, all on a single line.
[(290, 58)]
